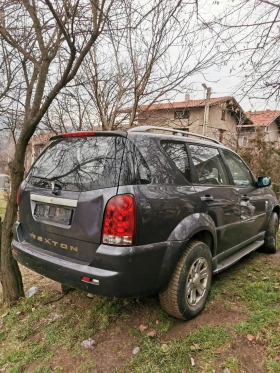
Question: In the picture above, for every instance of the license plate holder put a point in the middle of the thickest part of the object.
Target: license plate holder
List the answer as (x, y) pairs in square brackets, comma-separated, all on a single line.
[(53, 213)]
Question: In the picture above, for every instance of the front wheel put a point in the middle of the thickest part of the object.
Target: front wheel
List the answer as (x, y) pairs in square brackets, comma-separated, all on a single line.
[(189, 285)]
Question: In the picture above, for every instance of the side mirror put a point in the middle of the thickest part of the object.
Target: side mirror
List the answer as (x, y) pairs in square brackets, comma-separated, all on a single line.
[(263, 181)]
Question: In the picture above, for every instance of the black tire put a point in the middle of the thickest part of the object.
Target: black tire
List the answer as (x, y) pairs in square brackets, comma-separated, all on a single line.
[(177, 299), (270, 239)]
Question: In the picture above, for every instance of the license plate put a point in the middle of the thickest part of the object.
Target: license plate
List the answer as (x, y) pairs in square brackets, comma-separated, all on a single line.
[(53, 213)]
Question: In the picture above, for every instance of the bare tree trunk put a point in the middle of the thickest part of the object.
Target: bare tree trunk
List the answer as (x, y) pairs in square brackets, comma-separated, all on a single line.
[(36, 88), (11, 278)]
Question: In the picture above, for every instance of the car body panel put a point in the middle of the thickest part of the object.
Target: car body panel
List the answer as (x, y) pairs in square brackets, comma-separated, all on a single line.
[(170, 211), (224, 211)]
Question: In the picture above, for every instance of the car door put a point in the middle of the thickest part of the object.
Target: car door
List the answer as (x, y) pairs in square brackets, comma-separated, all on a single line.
[(218, 197), (251, 199)]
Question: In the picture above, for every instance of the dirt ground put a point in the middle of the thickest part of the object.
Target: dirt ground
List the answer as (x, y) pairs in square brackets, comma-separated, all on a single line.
[(115, 343)]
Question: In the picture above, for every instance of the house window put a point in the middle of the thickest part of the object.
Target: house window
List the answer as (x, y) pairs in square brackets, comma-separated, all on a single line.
[(244, 141), (223, 116), (182, 114)]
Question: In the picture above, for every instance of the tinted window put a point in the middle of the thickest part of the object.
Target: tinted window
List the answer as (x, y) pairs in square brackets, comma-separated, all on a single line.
[(239, 171), (177, 152), (79, 164), (134, 168), (208, 165)]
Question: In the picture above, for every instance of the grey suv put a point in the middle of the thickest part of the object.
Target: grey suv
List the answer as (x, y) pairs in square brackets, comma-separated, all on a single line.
[(132, 213)]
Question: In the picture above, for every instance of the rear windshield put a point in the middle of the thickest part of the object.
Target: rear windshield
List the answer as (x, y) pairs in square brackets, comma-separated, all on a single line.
[(79, 163)]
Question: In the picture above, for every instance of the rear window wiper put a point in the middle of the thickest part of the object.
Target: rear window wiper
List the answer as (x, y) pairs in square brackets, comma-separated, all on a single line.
[(50, 182)]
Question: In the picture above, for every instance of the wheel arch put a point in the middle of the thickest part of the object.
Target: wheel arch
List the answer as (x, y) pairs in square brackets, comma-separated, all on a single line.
[(198, 227), (206, 237), (276, 209)]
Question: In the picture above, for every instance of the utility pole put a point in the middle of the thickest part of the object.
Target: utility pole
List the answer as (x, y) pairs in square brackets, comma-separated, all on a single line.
[(206, 109)]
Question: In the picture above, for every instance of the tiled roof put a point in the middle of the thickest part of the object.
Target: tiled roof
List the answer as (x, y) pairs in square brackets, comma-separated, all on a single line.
[(180, 105), (263, 118), (41, 138)]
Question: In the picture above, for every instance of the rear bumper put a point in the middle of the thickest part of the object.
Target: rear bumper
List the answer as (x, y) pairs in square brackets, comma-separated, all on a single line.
[(120, 272)]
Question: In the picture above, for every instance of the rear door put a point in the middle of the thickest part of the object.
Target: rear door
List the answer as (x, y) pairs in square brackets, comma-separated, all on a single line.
[(218, 197), (66, 191), (250, 198)]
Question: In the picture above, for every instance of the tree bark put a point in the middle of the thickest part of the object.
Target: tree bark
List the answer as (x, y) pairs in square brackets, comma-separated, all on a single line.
[(11, 278)]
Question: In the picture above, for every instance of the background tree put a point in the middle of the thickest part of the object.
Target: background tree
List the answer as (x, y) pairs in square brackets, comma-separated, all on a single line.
[(249, 32), (263, 158), (46, 44), (128, 52), (148, 63)]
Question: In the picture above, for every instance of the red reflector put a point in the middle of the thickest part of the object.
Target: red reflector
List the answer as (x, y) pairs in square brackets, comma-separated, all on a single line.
[(79, 134), (86, 279), (18, 201), (18, 193), (15, 251), (119, 221)]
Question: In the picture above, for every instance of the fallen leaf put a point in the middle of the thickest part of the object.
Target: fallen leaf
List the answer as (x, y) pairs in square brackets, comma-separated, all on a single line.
[(226, 370), (151, 333), (192, 362), (136, 350), (265, 278), (4, 315), (164, 347), (157, 322), (250, 337), (88, 343), (195, 347), (184, 371), (256, 269), (142, 328)]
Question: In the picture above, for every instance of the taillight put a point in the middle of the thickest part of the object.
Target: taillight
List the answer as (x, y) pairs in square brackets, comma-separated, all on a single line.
[(18, 192), (119, 221)]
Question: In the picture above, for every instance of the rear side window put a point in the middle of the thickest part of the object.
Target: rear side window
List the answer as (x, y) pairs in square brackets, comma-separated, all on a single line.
[(79, 163), (178, 154), (134, 167), (208, 165)]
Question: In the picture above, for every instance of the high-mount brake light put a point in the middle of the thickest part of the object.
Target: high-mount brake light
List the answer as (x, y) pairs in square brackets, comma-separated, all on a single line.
[(119, 221), (79, 134)]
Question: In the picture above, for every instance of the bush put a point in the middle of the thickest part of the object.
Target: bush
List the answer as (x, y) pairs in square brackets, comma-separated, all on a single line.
[(263, 157)]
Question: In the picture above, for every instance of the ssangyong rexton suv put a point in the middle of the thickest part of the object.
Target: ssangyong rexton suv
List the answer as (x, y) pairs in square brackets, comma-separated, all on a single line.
[(132, 213)]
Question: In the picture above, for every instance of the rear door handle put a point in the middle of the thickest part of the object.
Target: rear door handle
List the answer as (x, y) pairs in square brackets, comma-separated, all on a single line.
[(207, 198), (245, 197)]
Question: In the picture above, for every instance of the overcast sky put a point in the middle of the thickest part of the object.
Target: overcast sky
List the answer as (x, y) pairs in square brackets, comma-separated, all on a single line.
[(221, 79)]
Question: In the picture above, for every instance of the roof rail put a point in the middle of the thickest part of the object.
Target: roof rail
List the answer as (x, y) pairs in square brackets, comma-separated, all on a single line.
[(147, 128)]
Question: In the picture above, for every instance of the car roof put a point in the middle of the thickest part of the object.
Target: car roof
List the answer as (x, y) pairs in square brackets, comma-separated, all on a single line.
[(174, 134), (144, 131)]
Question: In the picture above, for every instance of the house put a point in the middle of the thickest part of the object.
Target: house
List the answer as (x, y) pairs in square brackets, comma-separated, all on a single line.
[(267, 121), (216, 118), (34, 148)]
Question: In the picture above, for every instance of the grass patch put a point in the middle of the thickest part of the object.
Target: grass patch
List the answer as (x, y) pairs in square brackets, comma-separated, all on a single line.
[(43, 334), (176, 355)]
